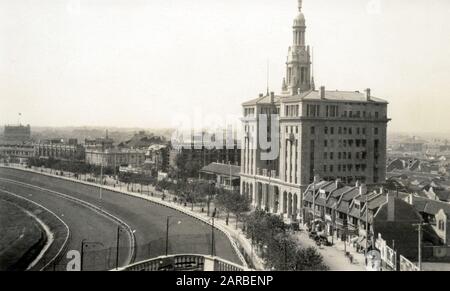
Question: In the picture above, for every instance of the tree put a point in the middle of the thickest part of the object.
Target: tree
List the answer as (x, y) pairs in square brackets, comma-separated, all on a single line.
[(279, 249), (223, 201), (309, 259), (187, 168)]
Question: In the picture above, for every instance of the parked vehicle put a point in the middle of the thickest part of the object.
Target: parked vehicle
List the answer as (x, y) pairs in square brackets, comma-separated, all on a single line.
[(312, 234)]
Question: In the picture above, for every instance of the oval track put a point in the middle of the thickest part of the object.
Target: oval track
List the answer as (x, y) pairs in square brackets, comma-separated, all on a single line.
[(147, 219)]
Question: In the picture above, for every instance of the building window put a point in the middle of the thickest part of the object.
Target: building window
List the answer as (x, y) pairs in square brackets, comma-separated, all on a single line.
[(313, 130)]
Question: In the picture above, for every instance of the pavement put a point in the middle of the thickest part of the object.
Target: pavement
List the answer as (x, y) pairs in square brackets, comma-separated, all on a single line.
[(334, 256)]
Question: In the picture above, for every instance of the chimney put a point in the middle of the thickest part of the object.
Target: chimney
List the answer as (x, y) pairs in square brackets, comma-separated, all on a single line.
[(315, 179), (362, 190), (322, 92), (272, 97), (368, 94), (261, 95), (337, 183)]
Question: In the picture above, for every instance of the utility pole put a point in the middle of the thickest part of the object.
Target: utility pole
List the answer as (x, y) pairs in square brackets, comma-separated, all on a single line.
[(314, 199), (419, 244), (231, 187), (367, 227), (167, 235), (82, 254), (212, 236), (117, 247), (285, 254), (101, 178)]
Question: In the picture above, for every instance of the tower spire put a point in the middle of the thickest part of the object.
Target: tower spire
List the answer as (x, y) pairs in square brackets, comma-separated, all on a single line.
[(313, 85), (298, 65), (267, 77)]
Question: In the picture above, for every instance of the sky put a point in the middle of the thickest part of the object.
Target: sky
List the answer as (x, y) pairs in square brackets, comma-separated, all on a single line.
[(152, 63)]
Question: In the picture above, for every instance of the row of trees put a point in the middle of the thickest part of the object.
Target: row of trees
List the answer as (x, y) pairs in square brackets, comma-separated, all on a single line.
[(277, 246), (201, 191), (75, 167)]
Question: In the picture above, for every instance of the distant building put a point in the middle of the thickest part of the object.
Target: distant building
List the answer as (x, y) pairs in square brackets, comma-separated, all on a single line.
[(60, 149), (223, 175), (198, 149), (157, 157), (411, 147), (16, 152), (142, 140), (100, 143), (16, 134), (436, 214), (396, 164), (115, 157)]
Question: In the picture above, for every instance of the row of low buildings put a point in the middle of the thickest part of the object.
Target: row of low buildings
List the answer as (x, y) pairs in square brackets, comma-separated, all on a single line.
[(440, 166), (143, 151), (381, 219)]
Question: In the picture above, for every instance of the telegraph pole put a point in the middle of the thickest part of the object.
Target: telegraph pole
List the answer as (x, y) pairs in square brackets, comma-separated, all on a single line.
[(82, 254), (101, 178), (419, 244), (167, 235), (367, 227), (117, 247), (212, 237), (314, 199)]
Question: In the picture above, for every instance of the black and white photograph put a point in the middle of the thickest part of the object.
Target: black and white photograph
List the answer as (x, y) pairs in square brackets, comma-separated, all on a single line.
[(224, 135)]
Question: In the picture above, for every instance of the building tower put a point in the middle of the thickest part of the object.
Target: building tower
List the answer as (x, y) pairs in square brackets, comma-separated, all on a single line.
[(298, 64)]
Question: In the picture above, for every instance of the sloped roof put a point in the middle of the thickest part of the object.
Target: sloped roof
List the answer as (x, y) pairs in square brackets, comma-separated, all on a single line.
[(343, 96), (262, 100), (221, 169), (329, 187), (347, 96), (430, 206), (338, 192)]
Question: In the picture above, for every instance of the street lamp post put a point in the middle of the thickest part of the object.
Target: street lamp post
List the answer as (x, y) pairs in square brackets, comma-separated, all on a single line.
[(212, 237), (167, 233), (117, 247), (81, 255), (314, 199)]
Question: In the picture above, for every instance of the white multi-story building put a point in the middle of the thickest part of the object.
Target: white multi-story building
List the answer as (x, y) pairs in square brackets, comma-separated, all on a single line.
[(333, 134)]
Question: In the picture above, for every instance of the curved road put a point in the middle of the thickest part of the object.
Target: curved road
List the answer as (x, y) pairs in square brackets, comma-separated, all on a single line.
[(147, 219)]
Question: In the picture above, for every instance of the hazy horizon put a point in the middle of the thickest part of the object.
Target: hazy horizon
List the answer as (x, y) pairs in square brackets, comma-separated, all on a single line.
[(142, 64)]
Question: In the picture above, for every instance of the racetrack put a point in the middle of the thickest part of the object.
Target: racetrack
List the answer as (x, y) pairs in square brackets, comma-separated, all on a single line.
[(147, 219)]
